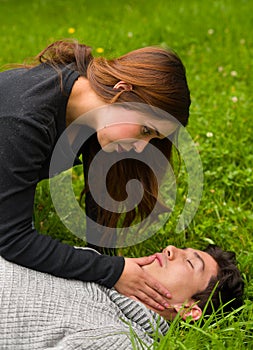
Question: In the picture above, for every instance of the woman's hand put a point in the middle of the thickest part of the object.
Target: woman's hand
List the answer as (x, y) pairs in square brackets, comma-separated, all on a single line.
[(138, 284)]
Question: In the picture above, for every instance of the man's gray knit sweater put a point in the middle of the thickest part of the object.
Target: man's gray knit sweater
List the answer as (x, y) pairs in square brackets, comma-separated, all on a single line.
[(40, 311)]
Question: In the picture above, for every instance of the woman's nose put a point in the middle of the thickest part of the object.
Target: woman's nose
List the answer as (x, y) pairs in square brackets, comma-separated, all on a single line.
[(139, 145)]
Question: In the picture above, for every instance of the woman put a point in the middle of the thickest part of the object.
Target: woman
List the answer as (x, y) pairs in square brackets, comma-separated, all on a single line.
[(37, 104)]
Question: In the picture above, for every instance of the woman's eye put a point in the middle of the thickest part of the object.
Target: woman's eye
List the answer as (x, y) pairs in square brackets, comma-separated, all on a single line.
[(146, 131)]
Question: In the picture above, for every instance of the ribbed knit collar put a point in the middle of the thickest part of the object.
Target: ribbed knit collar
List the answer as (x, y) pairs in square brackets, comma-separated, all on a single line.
[(138, 313)]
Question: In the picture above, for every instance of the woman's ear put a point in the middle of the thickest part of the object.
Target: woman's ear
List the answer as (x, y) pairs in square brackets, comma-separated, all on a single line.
[(123, 86), (190, 309)]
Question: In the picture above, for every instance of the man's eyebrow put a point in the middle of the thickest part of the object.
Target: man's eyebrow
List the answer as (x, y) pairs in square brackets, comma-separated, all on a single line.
[(201, 259)]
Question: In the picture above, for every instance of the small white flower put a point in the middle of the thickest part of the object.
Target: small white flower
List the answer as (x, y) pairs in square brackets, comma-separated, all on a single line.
[(233, 73), (224, 203), (188, 200), (209, 134), (220, 69), (234, 99), (130, 34), (210, 31)]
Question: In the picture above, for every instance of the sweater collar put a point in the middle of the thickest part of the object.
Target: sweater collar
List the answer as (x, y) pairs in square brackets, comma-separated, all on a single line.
[(138, 313)]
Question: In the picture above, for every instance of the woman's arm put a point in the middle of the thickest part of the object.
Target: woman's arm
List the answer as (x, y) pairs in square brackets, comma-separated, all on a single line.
[(23, 148)]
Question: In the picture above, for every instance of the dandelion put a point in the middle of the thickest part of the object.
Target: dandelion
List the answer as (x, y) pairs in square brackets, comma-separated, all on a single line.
[(212, 190), (209, 134), (100, 50), (234, 99), (233, 73), (71, 30), (210, 31)]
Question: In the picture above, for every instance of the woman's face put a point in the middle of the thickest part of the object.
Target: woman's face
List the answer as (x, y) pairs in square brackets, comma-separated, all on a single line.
[(132, 130)]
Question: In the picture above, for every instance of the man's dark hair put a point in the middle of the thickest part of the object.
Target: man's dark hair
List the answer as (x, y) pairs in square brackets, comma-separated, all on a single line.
[(230, 285)]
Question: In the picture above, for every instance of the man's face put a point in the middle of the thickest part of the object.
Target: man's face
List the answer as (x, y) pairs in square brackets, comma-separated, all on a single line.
[(183, 271)]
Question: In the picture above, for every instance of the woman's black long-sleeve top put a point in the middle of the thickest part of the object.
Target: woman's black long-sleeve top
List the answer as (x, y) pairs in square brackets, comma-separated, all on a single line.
[(32, 118)]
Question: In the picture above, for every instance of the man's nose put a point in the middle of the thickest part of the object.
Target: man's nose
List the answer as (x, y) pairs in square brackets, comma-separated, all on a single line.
[(139, 145), (170, 251)]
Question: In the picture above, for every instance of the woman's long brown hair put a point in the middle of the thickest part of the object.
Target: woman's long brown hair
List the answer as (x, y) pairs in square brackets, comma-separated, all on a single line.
[(158, 79)]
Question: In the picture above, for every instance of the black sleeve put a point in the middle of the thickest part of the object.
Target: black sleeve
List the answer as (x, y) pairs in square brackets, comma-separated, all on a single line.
[(95, 236), (23, 147)]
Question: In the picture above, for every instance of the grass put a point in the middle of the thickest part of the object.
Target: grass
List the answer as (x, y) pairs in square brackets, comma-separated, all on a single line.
[(214, 40)]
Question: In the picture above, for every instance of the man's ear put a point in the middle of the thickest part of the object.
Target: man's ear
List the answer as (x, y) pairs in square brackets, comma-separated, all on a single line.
[(123, 86), (189, 309)]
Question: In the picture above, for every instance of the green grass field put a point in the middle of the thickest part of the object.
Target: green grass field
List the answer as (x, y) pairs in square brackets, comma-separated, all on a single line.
[(214, 40)]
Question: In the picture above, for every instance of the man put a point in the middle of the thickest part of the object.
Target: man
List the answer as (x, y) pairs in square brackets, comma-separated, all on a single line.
[(40, 311)]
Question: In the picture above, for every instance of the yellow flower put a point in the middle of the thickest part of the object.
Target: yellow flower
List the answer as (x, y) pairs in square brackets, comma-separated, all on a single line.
[(71, 30), (100, 50)]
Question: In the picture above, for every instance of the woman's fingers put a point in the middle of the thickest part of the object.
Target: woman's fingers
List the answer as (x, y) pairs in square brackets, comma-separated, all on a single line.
[(151, 281), (152, 293), (136, 283), (146, 260), (152, 300)]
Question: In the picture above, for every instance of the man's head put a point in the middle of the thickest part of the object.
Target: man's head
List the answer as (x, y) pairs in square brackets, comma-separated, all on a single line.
[(230, 287), (191, 276)]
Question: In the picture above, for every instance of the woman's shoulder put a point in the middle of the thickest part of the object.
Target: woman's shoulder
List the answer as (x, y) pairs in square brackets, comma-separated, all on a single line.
[(40, 72)]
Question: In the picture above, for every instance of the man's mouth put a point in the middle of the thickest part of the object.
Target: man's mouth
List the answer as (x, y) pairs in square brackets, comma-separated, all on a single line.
[(159, 258)]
